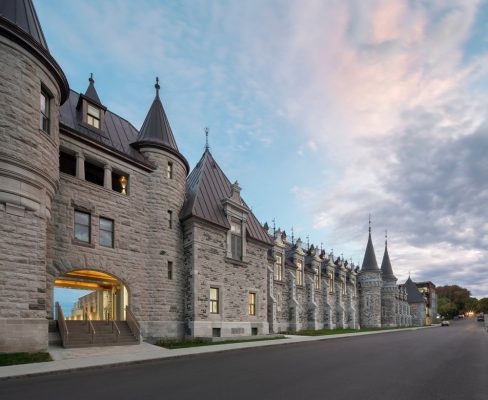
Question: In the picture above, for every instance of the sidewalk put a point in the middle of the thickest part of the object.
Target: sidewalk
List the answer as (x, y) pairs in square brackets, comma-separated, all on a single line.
[(103, 357)]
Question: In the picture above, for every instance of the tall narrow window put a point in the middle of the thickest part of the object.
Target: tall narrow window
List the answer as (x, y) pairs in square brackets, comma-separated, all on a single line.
[(82, 226), (344, 288), (169, 170), (278, 267), (331, 283), (93, 116), (170, 269), (236, 239), (214, 300), (94, 173), (45, 112), (300, 273), (106, 232), (170, 219), (251, 300), (317, 278)]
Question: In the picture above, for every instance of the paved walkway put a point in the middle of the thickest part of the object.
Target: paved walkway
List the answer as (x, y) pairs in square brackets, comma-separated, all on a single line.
[(102, 357)]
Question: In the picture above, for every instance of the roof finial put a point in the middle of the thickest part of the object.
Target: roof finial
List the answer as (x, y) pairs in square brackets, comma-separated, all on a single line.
[(157, 87), (386, 237), (370, 223), (308, 242), (207, 147), (292, 237), (90, 79), (274, 227)]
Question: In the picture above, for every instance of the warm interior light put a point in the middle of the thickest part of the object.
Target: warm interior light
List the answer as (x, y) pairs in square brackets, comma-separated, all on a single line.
[(123, 183)]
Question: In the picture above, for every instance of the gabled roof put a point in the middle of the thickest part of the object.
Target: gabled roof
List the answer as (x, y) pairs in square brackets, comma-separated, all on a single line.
[(22, 14), (413, 294), (369, 261), (386, 269), (206, 188), (117, 133)]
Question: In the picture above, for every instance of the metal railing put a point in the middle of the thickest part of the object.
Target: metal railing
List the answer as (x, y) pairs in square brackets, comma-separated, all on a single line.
[(116, 331), (63, 328), (91, 329), (133, 324)]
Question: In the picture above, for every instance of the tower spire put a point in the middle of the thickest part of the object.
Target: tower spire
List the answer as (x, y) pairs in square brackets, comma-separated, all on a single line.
[(157, 87), (207, 147)]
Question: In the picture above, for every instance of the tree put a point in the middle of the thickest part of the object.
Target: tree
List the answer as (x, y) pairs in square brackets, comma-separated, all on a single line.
[(472, 305), (483, 305), (446, 308), (453, 300)]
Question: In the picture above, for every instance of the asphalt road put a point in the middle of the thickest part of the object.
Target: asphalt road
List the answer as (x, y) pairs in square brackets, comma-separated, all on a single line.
[(438, 363)]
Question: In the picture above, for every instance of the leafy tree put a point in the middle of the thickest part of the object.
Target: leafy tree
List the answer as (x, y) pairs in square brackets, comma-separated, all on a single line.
[(456, 295), (471, 305), (446, 308), (483, 305)]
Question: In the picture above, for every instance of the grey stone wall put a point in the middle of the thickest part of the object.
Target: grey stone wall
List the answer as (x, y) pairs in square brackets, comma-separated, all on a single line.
[(388, 303), (417, 311), (370, 299)]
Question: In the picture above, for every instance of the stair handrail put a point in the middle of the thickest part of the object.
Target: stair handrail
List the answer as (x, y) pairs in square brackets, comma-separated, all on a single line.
[(117, 333), (91, 328), (63, 327), (133, 324)]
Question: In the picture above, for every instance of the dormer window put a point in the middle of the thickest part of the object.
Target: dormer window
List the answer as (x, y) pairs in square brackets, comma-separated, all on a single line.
[(44, 111), (236, 239), (93, 116)]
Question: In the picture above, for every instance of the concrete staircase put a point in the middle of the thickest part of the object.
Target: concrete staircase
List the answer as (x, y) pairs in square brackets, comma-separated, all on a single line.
[(106, 334)]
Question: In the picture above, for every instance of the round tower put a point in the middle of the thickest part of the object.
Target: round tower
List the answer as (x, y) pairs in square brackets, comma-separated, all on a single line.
[(166, 187), (32, 88), (388, 291), (370, 285)]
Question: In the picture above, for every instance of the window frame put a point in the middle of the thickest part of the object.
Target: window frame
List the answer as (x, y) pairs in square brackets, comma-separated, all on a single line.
[(170, 219), (170, 270), (317, 278), (45, 115), (104, 230), (236, 239), (79, 224), (251, 304), (299, 272), (214, 303), (91, 118), (169, 170), (278, 267)]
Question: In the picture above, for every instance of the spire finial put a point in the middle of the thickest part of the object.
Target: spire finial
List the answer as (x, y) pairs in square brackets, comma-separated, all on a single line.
[(274, 227), (207, 147), (292, 237), (90, 79), (157, 87), (308, 242), (386, 237), (369, 223), (321, 246)]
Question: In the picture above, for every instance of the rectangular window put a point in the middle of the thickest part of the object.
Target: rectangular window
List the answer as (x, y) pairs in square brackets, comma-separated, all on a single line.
[(170, 269), (67, 163), (93, 116), (169, 170), (120, 182), (236, 239), (214, 300), (278, 267), (106, 232), (344, 288), (170, 219), (317, 279), (300, 273), (94, 173), (251, 299), (82, 226), (45, 111), (331, 283)]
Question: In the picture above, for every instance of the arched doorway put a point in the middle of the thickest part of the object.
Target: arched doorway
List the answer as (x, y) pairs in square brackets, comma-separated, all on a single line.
[(88, 294)]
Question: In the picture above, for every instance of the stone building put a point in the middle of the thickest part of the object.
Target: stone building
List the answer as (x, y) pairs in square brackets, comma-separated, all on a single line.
[(428, 291), (89, 201), (417, 303)]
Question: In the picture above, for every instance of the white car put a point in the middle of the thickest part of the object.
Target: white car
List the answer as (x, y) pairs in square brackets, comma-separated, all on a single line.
[(445, 322)]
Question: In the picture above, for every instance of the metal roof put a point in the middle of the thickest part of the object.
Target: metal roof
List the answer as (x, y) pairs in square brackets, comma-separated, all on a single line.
[(116, 132), (386, 269), (22, 14), (91, 92), (413, 294), (206, 188), (369, 261)]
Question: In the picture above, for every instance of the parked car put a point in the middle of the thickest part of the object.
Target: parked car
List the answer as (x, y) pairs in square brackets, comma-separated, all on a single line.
[(480, 317), (445, 322)]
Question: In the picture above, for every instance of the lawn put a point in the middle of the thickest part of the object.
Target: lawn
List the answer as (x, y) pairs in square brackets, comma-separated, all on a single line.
[(184, 343), (23, 358)]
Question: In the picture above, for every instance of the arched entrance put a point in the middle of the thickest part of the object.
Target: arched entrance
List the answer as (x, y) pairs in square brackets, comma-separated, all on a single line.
[(88, 294)]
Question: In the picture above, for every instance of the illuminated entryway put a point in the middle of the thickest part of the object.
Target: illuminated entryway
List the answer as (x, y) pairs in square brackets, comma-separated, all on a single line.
[(88, 294)]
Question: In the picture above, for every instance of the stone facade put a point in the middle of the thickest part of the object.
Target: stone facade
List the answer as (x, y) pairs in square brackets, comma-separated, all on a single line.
[(186, 247)]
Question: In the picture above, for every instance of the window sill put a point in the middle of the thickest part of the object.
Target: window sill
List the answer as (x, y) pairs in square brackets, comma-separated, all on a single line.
[(235, 262), (83, 244)]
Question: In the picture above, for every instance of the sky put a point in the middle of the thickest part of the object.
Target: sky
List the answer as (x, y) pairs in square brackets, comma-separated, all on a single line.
[(324, 111)]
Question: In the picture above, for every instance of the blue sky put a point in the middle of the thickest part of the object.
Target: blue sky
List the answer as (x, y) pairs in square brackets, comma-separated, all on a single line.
[(324, 111)]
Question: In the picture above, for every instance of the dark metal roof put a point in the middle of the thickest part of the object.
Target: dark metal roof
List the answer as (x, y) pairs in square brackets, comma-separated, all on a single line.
[(386, 269), (22, 14), (369, 261), (91, 92), (413, 294), (116, 132), (206, 188)]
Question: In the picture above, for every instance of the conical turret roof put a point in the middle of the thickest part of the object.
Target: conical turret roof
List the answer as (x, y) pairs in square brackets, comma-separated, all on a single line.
[(386, 269), (91, 92), (369, 261), (22, 14)]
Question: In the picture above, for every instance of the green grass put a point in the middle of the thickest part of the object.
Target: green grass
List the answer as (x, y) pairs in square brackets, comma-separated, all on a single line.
[(184, 343), (23, 358), (323, 332)]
